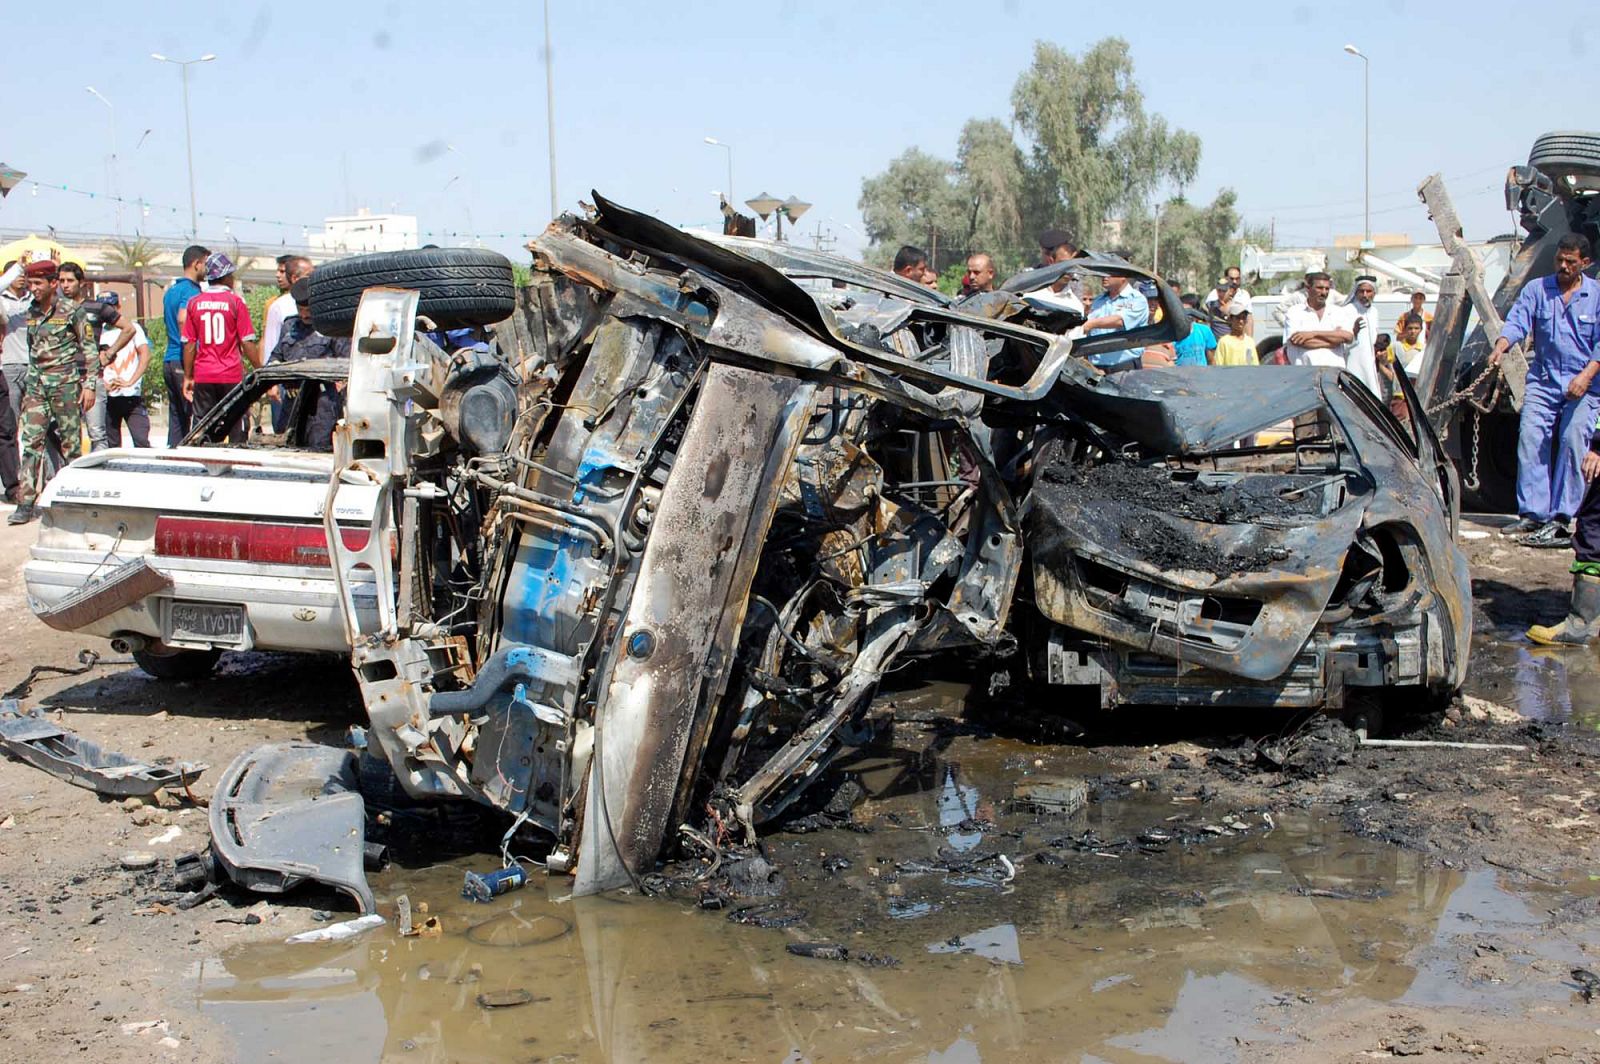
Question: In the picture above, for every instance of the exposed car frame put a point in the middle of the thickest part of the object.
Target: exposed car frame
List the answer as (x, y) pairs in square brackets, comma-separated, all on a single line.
[(729, 504)]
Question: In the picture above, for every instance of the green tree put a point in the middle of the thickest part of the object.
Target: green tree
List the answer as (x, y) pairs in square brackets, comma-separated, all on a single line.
[(135, 254), (912, 202), (1089, 151), (1096, 149), (1196, 241), (991, 185)]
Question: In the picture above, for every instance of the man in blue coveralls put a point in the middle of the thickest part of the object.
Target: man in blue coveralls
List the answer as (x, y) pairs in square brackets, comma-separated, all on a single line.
[(1119, 307), (1562, 315)]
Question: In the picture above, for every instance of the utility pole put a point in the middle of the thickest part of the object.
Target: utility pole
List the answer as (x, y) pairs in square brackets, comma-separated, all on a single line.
[(1366, 137), (550, 110), (183, 66), (111, 160)]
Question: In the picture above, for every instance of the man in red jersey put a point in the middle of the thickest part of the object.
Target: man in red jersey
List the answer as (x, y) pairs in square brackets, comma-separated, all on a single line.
[(216, 331)]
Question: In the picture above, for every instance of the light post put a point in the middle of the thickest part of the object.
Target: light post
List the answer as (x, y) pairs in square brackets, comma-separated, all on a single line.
[(791, 208), (715, 143), (183, 66), (550, 110), (1366, 137), (111, 165)]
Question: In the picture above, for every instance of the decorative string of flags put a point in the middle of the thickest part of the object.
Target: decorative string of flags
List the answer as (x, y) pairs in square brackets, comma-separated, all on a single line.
[(146, 208)]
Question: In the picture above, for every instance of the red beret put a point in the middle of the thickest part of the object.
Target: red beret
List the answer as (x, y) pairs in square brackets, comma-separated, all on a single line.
[(45, 268)]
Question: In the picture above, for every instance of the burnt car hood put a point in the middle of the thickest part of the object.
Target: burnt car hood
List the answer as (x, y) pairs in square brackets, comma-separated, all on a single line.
[(1216, 570), (1189, 409)]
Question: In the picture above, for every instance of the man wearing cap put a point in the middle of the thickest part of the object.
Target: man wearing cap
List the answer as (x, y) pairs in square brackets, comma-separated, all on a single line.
[(1360, 358), (1195, 349), (1227, 290), (1119, 307), (1057, 245), (216, 330), (301, 341), (61, 354)]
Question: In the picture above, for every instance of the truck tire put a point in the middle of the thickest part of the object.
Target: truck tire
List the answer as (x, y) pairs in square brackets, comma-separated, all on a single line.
[(1567, 153), (178, 664), (459, 287)]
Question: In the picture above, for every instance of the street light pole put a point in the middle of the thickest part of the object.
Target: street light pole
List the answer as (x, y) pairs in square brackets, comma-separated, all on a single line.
[(183, 66), (1366, 137), (111, 167), (550, 110), (715, 143)]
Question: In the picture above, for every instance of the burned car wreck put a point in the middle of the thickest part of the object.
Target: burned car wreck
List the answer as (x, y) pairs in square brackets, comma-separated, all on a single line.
[(739, 484)]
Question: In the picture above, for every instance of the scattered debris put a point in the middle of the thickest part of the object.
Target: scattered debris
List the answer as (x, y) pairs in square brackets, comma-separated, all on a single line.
[(506, 999), (166, 836), (1441, 744), (337, 932), (1588, 983), (68, 756), (289, 812), (1063, 796), (248, 919), (831, 951), (87, 659), (138, 860), (486, 886)]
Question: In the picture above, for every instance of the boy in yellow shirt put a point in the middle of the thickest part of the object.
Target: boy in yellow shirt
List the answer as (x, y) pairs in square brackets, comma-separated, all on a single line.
[(1237, 348)]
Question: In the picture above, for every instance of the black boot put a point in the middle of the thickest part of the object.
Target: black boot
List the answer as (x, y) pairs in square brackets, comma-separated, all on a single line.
[(23, 514)]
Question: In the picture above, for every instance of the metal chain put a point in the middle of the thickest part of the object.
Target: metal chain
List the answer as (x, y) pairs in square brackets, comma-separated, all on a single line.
[(1464, 393), (1470, 481)]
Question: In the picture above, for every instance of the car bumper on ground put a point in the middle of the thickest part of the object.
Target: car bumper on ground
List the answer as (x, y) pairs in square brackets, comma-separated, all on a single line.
[(244, 610)]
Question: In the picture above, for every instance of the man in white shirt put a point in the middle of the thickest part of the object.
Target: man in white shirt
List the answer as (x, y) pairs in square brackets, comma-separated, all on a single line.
[(123, 373), (1226, 292), (1362, 360), (1319, 333), (290, 269)]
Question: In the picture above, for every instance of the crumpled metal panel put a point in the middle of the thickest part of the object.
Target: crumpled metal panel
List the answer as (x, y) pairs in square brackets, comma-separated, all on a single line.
[(676, 641), (1190, 410)]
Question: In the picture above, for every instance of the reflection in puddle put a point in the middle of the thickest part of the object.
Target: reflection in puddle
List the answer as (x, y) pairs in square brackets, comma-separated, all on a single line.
[(1541, 683), (1168, 955)]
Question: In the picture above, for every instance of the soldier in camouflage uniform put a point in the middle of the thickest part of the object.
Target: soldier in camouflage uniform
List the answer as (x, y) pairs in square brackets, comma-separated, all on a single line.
[(61, 348)]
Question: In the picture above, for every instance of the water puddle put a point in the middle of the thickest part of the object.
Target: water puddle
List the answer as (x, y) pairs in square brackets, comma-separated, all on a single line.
[(1541, 683), (1145, 926)]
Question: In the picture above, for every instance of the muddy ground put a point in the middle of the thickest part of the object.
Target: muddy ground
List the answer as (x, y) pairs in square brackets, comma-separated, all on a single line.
[(1232, 889)]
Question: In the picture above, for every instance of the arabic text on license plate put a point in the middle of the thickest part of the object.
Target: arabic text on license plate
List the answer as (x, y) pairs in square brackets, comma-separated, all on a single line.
[(200, 621)]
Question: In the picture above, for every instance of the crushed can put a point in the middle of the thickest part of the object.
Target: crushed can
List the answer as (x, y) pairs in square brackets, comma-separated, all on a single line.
[(485, 886)]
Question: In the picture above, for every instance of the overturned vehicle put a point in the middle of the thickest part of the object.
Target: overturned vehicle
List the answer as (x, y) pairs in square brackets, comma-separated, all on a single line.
[(650, 569)]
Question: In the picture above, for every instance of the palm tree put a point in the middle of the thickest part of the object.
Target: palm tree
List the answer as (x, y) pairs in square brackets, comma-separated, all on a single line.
[(135, 254)]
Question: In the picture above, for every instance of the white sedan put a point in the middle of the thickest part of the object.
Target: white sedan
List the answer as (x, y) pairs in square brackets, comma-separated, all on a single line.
[(178, 555)]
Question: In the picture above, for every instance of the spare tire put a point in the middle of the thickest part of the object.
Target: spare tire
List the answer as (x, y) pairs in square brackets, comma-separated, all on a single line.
[(1567, 153), (459, 287)]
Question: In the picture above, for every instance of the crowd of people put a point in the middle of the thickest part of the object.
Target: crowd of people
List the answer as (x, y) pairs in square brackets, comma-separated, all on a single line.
[(73, 363), (1320, 326)]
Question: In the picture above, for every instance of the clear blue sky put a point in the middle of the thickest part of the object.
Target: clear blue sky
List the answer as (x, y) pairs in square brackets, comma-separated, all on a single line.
[(812, 96)]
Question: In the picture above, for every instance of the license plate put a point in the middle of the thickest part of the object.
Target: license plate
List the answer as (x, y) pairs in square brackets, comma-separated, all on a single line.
[(203, 622)]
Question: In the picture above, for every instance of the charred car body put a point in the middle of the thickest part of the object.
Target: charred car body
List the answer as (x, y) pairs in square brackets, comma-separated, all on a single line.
[(736, 485)]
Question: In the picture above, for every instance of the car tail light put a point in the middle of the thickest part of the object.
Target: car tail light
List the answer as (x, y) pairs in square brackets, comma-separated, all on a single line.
[(263, 542)]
